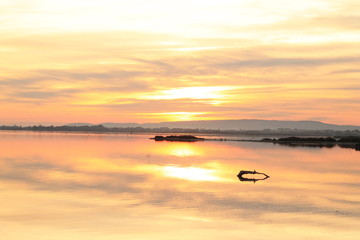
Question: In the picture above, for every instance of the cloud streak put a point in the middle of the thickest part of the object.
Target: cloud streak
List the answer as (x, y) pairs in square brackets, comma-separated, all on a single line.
[(115, 62)]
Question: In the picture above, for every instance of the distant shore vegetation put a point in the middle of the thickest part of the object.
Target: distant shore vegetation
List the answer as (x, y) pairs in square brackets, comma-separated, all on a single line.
[(102, 129), (352, 142), (178, 138)]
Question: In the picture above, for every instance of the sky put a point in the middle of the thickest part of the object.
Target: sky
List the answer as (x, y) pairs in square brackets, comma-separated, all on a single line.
[(178, 60)]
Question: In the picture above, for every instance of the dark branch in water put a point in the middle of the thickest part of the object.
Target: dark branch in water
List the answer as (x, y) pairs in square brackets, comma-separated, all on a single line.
[(254, 180)]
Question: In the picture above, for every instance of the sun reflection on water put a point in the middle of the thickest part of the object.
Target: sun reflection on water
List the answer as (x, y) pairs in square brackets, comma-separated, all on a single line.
[(182, 150), (191, 173)]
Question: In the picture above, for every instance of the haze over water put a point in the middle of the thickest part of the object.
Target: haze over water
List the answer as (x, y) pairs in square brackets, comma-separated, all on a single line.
[(91, 186)]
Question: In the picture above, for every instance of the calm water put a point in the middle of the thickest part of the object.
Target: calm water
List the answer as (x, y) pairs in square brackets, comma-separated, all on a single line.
[(81, 186)]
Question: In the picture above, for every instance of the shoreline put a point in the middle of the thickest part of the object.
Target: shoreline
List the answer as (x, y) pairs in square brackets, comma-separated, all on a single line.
[(344, 142), (351, 142)]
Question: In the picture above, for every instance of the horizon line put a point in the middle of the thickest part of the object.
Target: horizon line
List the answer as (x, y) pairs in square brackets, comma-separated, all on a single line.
[(47, 123)]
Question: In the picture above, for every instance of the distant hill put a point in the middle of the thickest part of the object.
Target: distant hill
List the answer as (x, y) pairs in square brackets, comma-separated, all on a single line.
[(253, 124), (79, 124), (242, 124), (120, 125)]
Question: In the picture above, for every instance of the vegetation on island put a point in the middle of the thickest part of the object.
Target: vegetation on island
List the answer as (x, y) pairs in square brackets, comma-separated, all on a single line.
[(178, 138), (346, 139), (352, 142)]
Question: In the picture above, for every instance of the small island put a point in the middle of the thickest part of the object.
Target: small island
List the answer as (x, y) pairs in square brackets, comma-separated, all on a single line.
[(352, 142), (178, 138)]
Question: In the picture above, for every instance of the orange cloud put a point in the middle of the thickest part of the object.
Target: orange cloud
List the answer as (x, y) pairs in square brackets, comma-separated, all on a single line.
[(93, 63)]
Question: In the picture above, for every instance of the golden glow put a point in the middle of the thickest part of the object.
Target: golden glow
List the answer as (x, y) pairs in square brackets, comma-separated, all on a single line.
[(182, 150), (213, 92), (141, 60), (191, 173), (155, 15), (96, 165), (181, 116), (188, 49), (106, 186)]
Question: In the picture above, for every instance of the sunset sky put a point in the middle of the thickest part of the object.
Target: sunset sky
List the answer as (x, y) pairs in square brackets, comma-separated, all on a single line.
[(172, 60)]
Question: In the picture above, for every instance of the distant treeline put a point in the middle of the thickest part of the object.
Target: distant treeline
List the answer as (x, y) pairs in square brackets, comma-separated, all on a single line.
[(102, 129), (94, 128)]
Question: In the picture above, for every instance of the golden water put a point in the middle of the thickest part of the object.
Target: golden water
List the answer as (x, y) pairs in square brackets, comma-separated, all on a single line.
[(88, 186)]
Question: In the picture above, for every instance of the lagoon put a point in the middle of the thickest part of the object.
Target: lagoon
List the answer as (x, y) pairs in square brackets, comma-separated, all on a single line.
[(116, 186)]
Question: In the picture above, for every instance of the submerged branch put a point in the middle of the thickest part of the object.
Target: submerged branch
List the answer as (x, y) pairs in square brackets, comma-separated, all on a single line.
[(245, 179)]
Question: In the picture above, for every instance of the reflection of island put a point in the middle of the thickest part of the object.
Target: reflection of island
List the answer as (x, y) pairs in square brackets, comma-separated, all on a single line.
[(245, 179), (178, 138)]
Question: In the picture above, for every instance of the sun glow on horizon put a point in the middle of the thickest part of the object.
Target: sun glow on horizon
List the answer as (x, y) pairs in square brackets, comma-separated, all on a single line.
[(181, 116), (209, 92)]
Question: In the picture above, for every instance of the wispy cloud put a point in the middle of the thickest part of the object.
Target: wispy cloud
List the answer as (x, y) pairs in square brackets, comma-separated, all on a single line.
[(86, 54), (275, 62)]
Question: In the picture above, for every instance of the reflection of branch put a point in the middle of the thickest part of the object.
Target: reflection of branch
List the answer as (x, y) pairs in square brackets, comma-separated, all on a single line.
[(244, 179)]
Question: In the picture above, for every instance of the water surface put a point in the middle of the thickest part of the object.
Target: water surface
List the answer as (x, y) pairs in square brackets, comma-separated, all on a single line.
[(93, 186)]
